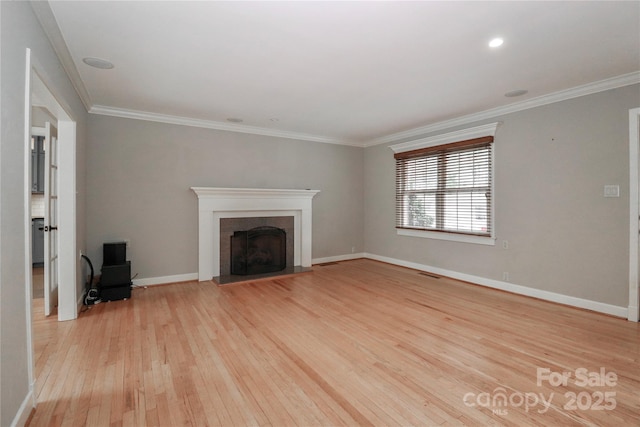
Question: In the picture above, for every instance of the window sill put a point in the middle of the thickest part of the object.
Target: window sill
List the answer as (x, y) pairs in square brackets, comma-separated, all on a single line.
[(462, 238)]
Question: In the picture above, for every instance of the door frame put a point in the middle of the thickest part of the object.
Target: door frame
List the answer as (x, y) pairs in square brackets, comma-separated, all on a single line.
[(39, 93), (634, 215)]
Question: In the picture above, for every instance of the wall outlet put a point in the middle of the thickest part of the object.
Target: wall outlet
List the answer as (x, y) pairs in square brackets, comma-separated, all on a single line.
[(505, 276), (505, 244), (353, 249)]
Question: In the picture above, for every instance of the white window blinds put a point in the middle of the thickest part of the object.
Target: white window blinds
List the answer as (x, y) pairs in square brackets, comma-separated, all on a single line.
[(446, 188)]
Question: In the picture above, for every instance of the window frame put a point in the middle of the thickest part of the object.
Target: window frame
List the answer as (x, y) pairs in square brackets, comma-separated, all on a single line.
[(450, 140)]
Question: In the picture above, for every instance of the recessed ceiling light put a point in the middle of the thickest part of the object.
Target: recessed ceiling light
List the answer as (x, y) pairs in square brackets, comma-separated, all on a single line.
[(103, 64), (234, 120), (517, 92), (496, 42)]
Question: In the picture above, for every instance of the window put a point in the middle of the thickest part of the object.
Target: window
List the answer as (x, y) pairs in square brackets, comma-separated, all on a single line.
[(447, 187)]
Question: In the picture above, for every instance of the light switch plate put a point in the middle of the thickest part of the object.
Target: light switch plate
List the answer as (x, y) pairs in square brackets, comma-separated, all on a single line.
[(611, 191)]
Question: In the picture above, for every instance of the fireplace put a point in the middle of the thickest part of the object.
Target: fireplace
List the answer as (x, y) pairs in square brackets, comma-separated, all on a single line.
[(215, 204), (230, 226), (258, 251)]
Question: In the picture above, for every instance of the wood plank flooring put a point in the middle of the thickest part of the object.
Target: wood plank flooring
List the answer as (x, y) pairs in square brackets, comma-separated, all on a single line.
[(352, 343)]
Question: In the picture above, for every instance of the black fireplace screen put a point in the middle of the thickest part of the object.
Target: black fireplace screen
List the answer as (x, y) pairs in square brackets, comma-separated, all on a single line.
[(258, 251)]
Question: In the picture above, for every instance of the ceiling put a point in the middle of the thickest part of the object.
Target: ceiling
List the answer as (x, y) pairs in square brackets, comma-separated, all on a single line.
[(344, 72)]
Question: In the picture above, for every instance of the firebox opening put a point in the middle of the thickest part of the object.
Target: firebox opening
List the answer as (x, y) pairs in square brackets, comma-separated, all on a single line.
[(259, 250)]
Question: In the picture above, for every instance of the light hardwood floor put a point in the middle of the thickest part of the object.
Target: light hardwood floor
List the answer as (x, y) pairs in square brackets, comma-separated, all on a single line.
[(353, 343)]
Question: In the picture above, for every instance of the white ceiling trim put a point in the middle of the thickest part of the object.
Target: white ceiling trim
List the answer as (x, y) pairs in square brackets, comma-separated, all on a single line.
[(578, 91), (52, 30), (587, 89), (211, 124)]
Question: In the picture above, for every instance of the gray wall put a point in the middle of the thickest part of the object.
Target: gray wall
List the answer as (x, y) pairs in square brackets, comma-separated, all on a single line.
[(139, 175), (20, 30), (40, 115), (552, 163)]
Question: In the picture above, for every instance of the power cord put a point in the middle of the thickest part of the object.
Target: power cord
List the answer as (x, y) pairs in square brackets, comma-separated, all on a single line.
[(92, 295)]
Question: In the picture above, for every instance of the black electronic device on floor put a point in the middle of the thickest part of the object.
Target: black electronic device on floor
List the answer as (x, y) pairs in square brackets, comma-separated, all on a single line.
[(115, 278), (114, 253)]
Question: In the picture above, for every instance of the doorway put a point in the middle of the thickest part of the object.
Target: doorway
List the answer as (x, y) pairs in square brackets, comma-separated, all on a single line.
[(44, 212), (39, 117), (38, 94)]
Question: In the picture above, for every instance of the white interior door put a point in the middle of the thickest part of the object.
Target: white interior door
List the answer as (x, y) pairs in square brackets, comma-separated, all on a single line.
[(50, 219)]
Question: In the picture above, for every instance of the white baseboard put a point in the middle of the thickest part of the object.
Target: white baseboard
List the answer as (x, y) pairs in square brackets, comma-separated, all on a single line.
[(345, 257), (25, 409), (613, 310), (187, 277), (600, 307), (163, 280)]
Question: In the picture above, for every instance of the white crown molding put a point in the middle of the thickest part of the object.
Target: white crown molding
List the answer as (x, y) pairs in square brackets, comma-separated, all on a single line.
[(211, 124), (575, 92), (50, 26), (52, 30)]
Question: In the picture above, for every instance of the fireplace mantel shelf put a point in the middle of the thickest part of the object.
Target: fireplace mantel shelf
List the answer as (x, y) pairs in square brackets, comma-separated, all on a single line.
[(235, 193), (215, 203)]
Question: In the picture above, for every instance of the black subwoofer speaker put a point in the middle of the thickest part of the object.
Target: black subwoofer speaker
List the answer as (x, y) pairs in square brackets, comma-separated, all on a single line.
[(115, 278), (114, 253), (115, 275)]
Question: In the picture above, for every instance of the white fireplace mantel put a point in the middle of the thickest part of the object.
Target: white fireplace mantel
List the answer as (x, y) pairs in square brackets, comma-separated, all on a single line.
[(217, 203)]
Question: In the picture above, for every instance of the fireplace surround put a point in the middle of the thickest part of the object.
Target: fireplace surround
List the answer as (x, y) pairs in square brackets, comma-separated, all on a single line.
[(216, 203)]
